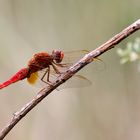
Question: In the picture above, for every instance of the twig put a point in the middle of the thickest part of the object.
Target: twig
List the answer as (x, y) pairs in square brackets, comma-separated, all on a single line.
[(68, 74)]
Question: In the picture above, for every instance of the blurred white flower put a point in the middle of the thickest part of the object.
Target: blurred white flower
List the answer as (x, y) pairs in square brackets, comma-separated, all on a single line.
[(131, 53)]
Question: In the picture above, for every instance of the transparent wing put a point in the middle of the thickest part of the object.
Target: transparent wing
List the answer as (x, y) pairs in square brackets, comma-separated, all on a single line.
[(75, 82), (73, 56)]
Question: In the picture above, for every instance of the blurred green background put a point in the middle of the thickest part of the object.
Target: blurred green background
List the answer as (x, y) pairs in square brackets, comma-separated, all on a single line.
[(107, 110)]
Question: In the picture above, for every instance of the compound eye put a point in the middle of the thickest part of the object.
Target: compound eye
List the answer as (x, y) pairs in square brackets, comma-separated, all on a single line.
[(62, 55)]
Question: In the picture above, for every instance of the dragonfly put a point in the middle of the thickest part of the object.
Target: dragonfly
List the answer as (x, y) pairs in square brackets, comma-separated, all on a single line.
[(48, 64)]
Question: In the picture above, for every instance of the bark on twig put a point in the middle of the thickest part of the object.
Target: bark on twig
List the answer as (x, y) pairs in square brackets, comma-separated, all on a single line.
[(68, 74)]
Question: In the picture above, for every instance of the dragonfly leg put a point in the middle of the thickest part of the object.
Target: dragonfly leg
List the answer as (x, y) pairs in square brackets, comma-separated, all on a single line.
[(48, 73), (64, 65), (67, 65), (56, 69), (48, 81)]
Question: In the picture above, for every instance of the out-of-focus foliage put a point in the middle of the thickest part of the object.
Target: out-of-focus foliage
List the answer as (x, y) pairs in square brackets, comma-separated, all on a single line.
[(131, 53)]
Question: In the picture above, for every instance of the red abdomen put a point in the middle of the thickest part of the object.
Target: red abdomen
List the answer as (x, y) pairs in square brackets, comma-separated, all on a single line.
[(23, 73)]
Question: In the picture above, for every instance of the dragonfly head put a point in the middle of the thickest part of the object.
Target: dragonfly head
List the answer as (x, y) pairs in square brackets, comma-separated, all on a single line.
[(57, 56)]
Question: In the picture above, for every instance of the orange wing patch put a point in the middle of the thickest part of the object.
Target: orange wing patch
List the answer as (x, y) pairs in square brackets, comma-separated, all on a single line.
[(33, 78)]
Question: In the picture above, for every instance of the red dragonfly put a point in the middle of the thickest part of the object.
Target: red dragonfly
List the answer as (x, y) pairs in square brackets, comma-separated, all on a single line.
[(41, 62)]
